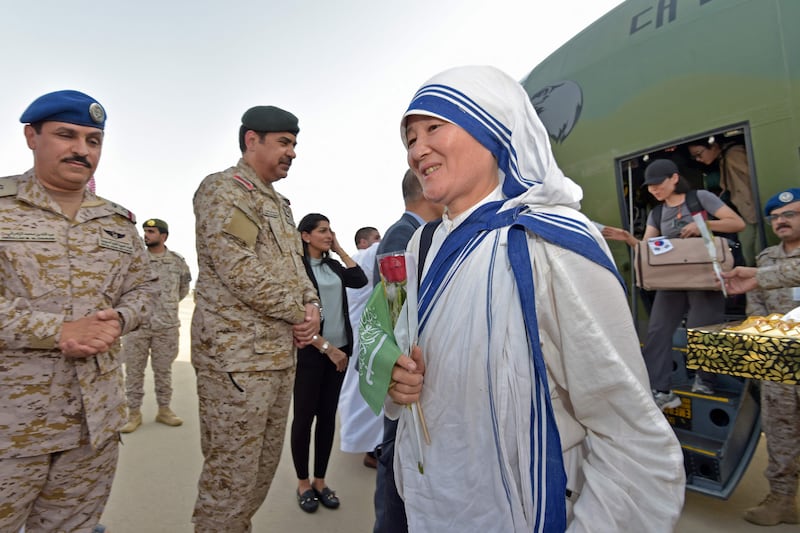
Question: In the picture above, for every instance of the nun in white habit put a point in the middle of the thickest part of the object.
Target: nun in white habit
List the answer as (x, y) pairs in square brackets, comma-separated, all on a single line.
[(528, 369)]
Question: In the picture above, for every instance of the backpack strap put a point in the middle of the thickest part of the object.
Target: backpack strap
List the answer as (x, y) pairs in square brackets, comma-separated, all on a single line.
[(657, 216), (692, 202), (425, 241)]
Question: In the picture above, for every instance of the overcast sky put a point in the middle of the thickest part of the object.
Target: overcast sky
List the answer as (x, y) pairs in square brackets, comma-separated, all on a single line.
[(175, 78)]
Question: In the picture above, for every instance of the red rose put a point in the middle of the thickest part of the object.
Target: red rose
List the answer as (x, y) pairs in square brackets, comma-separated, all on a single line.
[(393, 268)]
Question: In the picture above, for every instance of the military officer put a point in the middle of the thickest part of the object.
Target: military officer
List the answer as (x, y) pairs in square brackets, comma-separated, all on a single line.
[(780, 402), (254, 304), (157, 340), (74, 276)]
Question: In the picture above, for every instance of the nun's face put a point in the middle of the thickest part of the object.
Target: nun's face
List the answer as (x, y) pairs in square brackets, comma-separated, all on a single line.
[(455, 170)]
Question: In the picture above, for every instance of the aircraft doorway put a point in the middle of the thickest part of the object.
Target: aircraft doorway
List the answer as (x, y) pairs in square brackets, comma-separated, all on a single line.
[(699, 157), (719, 430)]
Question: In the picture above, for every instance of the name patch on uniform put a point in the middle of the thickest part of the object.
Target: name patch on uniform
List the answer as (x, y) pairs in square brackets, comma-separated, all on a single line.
[(32, 236), (113, 241), (8, 187)]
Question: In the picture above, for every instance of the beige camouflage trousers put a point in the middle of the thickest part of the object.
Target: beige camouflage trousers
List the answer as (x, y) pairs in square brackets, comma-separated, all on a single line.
[(780, 418), (242, 425), (58, 492), (161, 347)]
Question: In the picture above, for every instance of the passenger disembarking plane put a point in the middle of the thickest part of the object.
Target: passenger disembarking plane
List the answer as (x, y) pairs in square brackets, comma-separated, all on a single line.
[(665, 183), (735, 186)]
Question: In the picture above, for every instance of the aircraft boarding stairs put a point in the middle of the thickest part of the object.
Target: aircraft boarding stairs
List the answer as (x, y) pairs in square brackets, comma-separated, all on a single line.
[(719, 432)]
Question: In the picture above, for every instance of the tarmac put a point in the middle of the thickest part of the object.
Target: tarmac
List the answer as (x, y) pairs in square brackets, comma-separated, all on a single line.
[(156, 482)]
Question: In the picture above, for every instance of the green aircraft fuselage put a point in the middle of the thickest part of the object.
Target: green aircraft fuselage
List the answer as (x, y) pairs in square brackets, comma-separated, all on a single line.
[(651, 74), (644, 82)]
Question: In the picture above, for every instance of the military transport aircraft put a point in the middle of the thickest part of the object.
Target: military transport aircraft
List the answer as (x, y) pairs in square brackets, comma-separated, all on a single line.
[(641, 83)]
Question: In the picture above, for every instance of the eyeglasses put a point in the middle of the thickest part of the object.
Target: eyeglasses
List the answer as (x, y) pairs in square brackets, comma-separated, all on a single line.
[(698, 154), (788, 215)]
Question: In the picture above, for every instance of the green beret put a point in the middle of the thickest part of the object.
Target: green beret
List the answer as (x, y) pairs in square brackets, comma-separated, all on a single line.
[(269, 118), (156, 223)]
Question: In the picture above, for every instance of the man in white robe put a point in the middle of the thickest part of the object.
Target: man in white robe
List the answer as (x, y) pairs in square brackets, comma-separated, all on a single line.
[(361, 430)]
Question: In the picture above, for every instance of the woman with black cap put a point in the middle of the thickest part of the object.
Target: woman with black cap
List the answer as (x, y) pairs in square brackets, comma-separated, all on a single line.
[(665, 183)]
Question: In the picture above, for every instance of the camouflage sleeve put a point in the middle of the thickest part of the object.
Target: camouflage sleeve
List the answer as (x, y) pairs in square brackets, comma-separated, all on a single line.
[(186, 279), (783, 274), (23, 327), (139, 290), (227, 236), (756, 303)]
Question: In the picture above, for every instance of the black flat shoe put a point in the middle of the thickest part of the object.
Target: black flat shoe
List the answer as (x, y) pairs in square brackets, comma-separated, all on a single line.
[(327, 497), (308, 501)]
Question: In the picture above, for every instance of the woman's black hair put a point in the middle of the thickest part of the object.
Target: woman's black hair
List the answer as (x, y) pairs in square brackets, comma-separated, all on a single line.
[(682, 186), (706, 142), (308, 224)]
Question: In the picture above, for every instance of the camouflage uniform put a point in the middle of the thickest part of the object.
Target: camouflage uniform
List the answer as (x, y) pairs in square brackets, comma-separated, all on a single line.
[(159, 338), (781, 274), (59, 417), (780, 403), (251, 289)]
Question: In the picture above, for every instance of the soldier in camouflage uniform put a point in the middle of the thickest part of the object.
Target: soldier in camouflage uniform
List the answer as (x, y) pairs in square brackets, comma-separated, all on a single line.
[(157, 340), (780, 402), (744, 279), (254, 304), (74, 276)]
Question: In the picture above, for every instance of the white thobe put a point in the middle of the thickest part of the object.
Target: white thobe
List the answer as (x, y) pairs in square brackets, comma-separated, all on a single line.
[(623, 462), (361, 430)]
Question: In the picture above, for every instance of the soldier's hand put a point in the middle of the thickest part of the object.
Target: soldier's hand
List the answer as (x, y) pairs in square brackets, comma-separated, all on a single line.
[(740, 280), (407, 376), (90, 335), (305, 331)]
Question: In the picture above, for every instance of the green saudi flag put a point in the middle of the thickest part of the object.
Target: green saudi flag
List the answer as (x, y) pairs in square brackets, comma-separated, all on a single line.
[(377, 350)]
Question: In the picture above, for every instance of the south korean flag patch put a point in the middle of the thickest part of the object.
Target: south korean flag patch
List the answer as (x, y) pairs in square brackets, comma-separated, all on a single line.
[(659, 245)]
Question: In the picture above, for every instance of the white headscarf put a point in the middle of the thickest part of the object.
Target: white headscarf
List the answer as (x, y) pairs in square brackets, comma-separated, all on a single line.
[(494, 108), (496, 111)]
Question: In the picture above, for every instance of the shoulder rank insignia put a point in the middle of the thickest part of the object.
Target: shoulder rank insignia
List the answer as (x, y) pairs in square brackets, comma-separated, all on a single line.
[(245, 183), (118, 209), (8, 186)]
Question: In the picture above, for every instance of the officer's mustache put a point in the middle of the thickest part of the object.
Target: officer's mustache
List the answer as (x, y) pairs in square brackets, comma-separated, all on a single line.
[(782, 226), (78, 159)]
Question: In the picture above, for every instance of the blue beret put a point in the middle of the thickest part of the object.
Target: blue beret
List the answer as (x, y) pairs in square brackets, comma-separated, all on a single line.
[(72, 107), (781, 199)]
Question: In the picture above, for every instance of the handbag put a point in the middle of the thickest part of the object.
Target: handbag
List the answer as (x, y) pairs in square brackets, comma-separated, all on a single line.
[(680, 264)]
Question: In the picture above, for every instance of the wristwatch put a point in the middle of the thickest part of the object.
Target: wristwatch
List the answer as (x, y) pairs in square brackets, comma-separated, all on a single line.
[(324, 347)]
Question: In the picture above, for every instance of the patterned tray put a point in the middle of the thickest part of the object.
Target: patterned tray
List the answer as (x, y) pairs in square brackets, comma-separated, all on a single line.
[(744, 355)]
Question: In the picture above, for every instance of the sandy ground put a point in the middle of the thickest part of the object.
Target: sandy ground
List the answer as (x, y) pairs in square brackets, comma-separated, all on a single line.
[(156, 482)]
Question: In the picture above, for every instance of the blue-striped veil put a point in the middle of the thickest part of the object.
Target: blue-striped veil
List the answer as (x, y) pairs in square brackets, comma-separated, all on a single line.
[(495, 110)]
